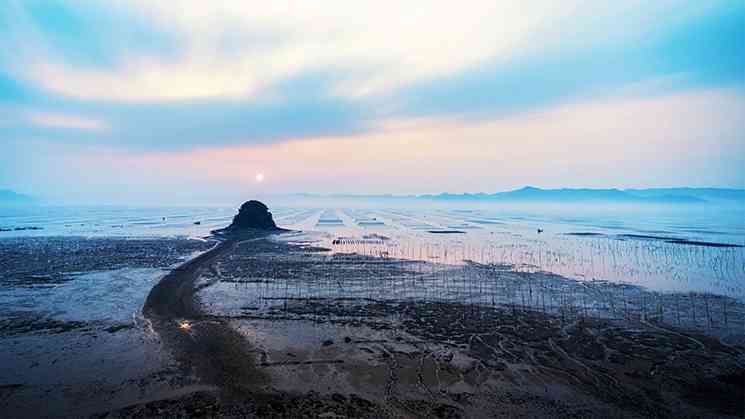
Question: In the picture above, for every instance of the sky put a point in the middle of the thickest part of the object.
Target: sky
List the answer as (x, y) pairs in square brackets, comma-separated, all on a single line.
[(189, 101)]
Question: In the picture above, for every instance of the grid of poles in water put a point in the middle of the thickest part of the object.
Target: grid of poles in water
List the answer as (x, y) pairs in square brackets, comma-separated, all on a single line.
[(624, 258), (365, 271)]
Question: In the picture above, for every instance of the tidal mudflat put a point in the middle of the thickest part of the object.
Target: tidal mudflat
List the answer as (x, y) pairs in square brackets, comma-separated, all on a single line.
[(366, 313), (279, 327), (73, 339)]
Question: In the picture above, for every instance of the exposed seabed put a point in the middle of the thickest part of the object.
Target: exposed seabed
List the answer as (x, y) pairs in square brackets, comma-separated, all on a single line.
[(267, 327)]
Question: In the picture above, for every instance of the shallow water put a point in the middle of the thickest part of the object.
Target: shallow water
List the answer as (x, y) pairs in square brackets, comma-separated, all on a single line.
[(664, 248), (104, 296), (688, 249), (73, 336)]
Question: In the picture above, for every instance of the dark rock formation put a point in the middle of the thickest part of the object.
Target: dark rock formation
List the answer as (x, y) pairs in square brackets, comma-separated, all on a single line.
[(253, 214)]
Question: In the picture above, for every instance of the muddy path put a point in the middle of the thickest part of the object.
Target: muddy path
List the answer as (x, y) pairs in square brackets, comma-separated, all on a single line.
[(210, 349)]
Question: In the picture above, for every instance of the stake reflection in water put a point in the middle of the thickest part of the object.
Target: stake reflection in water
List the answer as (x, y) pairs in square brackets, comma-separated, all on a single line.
[(447, 272)]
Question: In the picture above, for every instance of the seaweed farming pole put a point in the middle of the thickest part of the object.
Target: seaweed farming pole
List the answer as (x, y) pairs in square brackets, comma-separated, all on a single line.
[(693, 306), (543, 293)]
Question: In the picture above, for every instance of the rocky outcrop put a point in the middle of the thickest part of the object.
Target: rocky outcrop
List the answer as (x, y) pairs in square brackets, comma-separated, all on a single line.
[(253, 215)]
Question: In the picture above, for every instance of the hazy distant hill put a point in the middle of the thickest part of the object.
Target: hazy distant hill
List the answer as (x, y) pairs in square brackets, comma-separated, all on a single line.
[(707, 194), (656, 195), (9, 197), (532, 194)]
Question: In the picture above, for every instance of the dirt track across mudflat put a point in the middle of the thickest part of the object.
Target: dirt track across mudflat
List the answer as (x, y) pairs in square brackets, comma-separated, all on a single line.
[(217, 353)]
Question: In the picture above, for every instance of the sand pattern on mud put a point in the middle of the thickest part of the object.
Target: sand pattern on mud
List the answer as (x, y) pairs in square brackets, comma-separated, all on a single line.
[(74, 341), (287, 330), (261, 327)]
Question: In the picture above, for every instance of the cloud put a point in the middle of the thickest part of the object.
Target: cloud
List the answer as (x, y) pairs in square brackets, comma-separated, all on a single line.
[(57, 120), (694, 139), (238, 50), (317, 94), (703, 50)]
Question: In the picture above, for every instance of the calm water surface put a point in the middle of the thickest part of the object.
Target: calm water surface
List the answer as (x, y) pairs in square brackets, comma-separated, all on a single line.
[(665, 248)]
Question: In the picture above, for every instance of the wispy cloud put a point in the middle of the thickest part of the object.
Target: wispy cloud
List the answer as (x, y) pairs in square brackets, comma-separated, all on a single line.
[(58, 120), (234, 49), (616, 142)]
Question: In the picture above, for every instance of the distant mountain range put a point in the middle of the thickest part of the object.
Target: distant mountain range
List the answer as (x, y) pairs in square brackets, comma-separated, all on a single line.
[(532, 194), (655, 195), (9, 197), (705, 194), (526, 194)]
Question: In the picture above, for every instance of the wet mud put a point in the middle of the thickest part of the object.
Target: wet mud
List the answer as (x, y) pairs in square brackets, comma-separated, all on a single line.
[(276, 326), (282, 329)]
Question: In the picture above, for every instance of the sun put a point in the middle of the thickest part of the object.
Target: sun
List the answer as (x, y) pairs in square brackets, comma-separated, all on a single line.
[(259, 177)]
